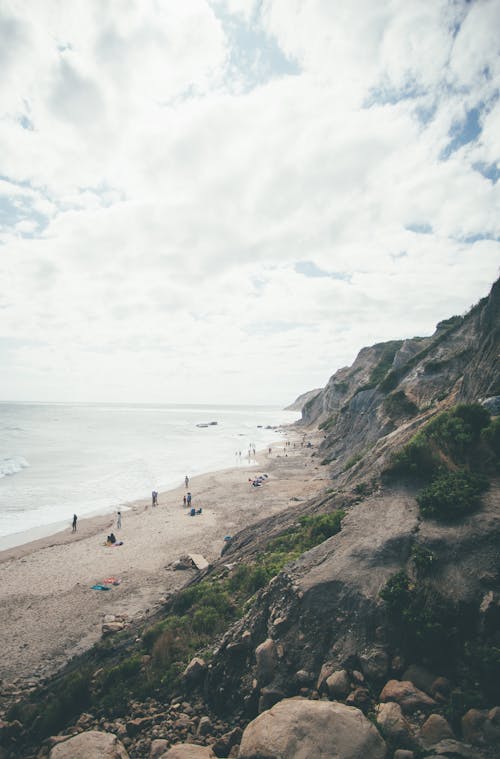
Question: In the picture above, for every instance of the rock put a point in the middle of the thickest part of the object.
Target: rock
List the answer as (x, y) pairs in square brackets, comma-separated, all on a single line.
[(375, 664), (204, 726), (195, 671), (420, 677), (394, 725), (90, 745), (326, 670), (492, 404), (338, 684), (472, 726), (109, 628), (492, 726), (188, 751), (407, 696), (225, 743), (455, 750), (482, 727), (304, 677), (434, 730), (85, 721), (158, 748), (359, 697), (137, 725), (269, 697), (441, 689), (403, 753), (266, 657), (297, 728)]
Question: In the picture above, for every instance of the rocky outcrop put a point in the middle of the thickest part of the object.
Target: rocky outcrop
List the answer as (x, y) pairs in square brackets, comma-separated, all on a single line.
[(303, 399), (297, 728), (391, 388)]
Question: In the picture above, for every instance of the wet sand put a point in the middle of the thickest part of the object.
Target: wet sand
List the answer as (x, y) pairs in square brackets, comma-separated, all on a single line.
[(49, 611)]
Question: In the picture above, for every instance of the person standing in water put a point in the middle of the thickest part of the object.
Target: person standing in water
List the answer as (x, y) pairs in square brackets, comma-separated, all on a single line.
[(186, 481), (74, 522), (118, 520)]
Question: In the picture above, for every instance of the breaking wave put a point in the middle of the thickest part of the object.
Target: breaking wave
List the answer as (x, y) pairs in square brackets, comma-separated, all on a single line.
[(12, 465)]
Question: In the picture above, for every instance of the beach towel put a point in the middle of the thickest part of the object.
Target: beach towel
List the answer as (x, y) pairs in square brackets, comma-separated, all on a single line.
[(111, 581), (100, 587)]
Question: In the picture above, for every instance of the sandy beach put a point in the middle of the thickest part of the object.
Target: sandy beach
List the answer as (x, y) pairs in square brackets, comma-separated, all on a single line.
[(49, 611)]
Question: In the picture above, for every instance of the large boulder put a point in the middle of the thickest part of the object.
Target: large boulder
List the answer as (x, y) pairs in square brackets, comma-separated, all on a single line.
[(299, 729), (90, 745)]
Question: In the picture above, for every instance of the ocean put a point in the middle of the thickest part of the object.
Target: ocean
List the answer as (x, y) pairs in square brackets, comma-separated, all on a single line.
[(89, 459)]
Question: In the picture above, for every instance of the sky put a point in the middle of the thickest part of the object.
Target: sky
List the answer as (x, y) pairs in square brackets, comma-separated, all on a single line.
[(223, 201)]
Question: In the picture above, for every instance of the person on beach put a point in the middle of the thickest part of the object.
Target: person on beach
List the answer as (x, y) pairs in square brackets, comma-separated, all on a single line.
[(74, 522), (154, 498), (189, 499), (186, 481), (118, 520), (184, 500)]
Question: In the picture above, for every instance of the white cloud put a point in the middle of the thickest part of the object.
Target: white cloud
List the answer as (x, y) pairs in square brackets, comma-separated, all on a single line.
[(155, 203)]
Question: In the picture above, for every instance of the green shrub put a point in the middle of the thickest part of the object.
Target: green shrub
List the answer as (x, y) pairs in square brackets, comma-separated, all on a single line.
[(452, 494), (398, 405), (396, 592), (423, 559), (452, 435), (490, 437)]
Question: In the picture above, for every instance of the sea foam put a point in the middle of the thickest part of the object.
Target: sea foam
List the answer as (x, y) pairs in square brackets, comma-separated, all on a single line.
[(12, 465)]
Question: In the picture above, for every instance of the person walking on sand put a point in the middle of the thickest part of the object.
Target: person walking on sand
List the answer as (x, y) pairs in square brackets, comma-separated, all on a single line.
[(118, 520), (186, 481), (189, 500), (74, 522)]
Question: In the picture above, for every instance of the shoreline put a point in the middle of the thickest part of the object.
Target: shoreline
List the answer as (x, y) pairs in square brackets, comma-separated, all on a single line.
[(34, 535), (50, 611)]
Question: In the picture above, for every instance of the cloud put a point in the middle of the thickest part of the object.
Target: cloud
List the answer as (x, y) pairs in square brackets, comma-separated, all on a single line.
[(225, 201)]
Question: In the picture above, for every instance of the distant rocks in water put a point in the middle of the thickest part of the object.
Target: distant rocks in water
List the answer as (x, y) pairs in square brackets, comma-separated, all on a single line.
[(207, 424)]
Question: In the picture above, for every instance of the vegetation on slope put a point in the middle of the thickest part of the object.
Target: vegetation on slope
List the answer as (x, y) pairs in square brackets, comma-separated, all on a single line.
[(451, 456), (192, 622)]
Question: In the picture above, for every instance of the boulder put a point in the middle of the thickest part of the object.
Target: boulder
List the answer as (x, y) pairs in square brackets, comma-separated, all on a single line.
[(195, 671), (434, 730), (407, 696), (224, 744), (375, 664), (204, 726), (266, 657), (109, 628), (394, 725), (158, 748), (269, 697), (90, 745), (338, 684), (441, 689), (359, 697), (420, 677), (403, 753), (327, 669), (188, 751), (455, 750), (482, 727), (297, 728), (137, 725)]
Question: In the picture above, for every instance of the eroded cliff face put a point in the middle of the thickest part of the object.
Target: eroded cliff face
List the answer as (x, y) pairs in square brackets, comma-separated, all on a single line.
[(392, 388), (324, 612)]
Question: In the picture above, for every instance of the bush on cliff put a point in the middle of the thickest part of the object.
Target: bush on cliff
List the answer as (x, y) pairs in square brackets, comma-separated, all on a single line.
[(452, 494)]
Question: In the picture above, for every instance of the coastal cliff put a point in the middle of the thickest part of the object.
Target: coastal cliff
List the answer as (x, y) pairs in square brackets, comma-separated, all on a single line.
[(378, 598)]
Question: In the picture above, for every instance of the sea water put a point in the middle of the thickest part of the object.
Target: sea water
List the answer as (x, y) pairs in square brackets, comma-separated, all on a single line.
[(57, 460)]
